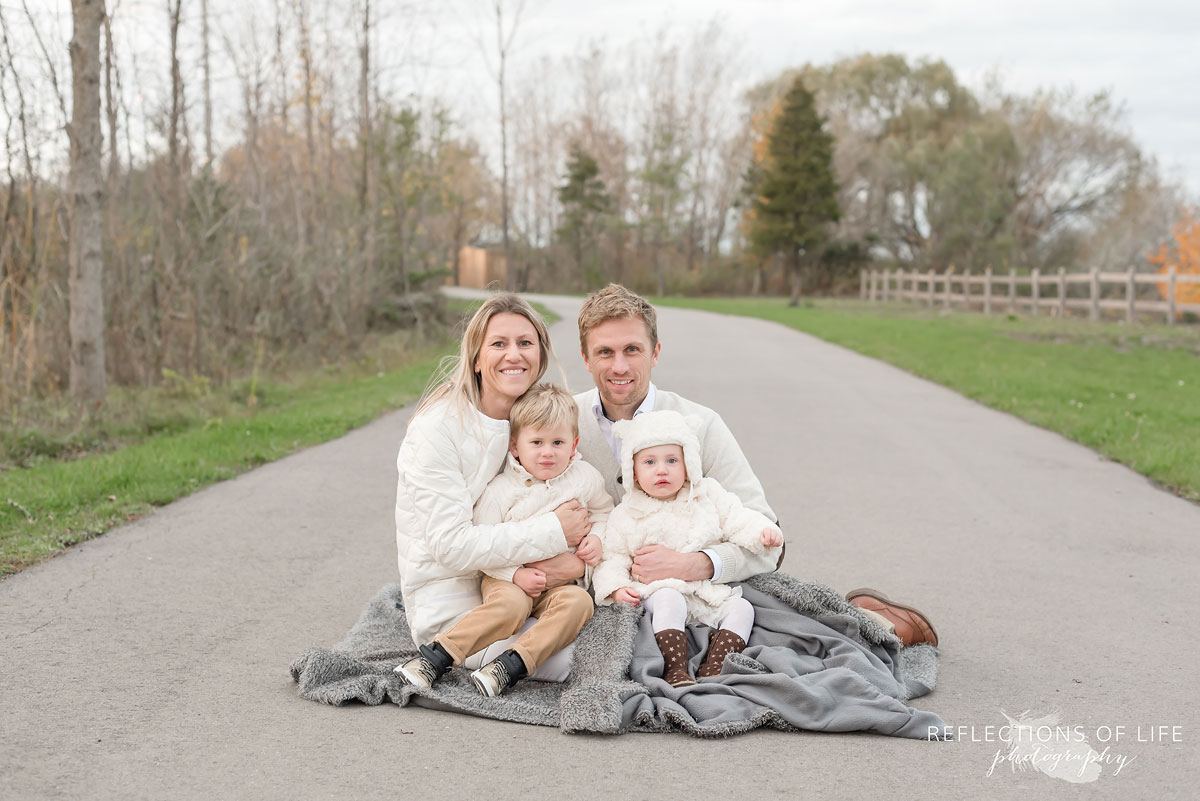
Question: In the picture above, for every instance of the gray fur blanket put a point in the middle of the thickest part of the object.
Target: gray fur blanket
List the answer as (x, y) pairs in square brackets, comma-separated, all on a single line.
[(813, 662)]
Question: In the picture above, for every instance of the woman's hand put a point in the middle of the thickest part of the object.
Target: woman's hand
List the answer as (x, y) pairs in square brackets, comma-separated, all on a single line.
[(559, 570), (625, 595), (590, 550), (573, 516), (530, 579)]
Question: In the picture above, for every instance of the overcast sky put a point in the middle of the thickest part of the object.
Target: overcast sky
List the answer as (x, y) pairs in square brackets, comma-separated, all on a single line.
[(1147, 52)]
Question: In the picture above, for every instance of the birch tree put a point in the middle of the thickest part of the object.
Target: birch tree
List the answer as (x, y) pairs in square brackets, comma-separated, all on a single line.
[(86, 258)]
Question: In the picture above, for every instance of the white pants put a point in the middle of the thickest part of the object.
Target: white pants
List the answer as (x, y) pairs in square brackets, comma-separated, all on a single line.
[(668, 610)]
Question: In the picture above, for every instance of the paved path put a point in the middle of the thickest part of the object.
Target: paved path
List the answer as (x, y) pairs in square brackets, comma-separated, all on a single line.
[(152, 662)]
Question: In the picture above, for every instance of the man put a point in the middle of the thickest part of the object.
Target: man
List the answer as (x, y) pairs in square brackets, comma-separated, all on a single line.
[(618, 337)]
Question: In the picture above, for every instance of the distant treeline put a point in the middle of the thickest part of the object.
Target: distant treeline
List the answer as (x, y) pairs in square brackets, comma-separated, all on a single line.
[(629, 163)]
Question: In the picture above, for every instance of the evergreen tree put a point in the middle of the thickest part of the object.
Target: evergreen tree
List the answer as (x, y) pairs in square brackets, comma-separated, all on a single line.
[(793, 189), (585, 201)]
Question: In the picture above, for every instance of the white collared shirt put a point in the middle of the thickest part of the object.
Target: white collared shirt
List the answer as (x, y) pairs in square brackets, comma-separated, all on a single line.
[(606, 425), (606, 428)]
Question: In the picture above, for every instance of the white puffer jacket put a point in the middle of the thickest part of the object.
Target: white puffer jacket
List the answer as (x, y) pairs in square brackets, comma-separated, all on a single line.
[(446, 460), (700, 516)]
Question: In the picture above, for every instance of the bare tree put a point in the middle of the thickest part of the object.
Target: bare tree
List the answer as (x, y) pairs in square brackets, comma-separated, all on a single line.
[(207, 86), (504, 43), (86, 256), (366, 191), (112, 90)]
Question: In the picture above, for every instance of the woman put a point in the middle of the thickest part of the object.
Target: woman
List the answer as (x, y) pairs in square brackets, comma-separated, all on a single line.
[(456, 443)]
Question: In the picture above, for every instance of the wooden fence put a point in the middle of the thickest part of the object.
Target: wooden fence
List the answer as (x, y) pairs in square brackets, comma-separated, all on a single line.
[(1058, 293)]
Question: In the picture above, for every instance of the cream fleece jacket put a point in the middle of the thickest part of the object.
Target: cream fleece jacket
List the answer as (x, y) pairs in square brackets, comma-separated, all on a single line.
[(515, 495), (720, 458)]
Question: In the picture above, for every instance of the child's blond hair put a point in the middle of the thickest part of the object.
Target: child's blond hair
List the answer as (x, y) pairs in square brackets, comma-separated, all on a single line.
[(544, 406)]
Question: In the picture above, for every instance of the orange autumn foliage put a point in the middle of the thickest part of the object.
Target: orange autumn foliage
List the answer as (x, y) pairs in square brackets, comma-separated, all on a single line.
[(761, 125), (1183, 253)]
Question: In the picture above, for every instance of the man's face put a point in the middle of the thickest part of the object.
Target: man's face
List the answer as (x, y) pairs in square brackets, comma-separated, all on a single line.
[(619, 357)]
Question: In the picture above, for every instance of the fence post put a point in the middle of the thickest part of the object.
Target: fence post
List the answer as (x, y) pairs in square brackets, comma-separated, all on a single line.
[(987, 290), (967, 289), (1171, 296), (887, 285), (1012, 291), (1094, 312), (946, 297), (1062, 293), (1036, 291), (931, 285), (862, 284), (1130, 297)]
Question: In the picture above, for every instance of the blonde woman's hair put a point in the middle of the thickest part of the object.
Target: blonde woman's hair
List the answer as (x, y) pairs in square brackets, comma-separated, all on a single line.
[(615, 302), (544, 406), (456, 379)]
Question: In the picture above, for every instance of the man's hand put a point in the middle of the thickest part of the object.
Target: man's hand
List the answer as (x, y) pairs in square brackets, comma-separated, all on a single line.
[(590, 550), (772, 537), (573, 516), (654, 562), (625, 595), (530, 579), (559, 570)]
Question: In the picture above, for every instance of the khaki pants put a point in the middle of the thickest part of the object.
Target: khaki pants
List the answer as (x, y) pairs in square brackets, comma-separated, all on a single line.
[(560, 612)]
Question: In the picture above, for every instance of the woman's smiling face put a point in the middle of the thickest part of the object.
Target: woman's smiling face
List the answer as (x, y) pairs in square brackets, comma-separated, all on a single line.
[(509, 358)]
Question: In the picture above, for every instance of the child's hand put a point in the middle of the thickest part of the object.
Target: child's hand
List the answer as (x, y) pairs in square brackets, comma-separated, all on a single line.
[(625, 595), (590, 549), (530, 579), (772, 537)]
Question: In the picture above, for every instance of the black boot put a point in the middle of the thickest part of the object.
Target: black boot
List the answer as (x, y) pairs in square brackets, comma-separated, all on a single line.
[(427, 668), (501, 673)]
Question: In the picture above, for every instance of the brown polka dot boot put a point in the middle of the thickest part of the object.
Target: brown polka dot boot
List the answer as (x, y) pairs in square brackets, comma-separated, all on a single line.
[(720, 645), (673, 644)]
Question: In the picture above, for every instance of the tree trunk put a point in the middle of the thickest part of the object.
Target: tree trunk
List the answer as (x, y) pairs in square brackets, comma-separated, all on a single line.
[(86, 255), (794, 270), (208, 138), (110, 106), (366, 204), (502, 52)]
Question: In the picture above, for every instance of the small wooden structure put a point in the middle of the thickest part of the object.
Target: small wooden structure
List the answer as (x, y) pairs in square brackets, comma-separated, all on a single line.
[(480, 266)]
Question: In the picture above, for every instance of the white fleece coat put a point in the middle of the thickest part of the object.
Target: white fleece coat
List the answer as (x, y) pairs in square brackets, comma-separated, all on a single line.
[(720, 457), (701, 515), (515, 495), (447, 458)]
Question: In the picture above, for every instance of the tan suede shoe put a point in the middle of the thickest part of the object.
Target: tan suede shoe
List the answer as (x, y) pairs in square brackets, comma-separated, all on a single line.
[(912, 626)]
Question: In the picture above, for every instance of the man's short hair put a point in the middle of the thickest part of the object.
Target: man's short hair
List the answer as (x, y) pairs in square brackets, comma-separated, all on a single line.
[(615, 302), (544, 406)]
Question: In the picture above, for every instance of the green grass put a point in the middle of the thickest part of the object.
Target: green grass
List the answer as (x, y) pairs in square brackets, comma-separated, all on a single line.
[(1129, 392), (69, 473), (54, 504)]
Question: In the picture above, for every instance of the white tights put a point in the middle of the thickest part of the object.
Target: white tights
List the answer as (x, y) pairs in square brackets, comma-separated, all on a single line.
[(668, 610)]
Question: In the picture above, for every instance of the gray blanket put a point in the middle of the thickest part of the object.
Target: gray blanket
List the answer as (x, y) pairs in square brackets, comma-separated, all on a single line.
[(813, 662)]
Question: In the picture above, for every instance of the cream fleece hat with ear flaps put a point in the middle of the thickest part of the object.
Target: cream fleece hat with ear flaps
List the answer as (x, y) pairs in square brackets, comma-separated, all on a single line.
[(659, 428)]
